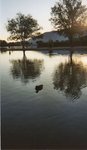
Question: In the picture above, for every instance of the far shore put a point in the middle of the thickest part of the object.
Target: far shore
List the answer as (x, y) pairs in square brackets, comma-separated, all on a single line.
[(46, 48)]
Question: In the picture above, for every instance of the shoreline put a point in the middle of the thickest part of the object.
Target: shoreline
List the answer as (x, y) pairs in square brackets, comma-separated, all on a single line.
[(40, 49)]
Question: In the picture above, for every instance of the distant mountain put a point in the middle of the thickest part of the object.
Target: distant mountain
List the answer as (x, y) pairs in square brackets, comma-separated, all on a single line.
[(49, 36), (84, 33)]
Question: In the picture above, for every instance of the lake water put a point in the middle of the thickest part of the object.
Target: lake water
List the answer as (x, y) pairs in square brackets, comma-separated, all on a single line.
[(43, 100)]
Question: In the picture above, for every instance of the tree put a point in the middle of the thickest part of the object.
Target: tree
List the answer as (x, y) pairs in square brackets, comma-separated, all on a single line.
[(69, 17), (22, 27), (3, 43)]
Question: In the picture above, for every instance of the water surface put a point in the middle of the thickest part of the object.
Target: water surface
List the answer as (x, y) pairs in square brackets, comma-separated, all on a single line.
[(43, 100)]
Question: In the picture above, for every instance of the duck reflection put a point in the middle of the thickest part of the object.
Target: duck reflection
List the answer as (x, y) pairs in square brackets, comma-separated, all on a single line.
[(70, 77), (26, 69)]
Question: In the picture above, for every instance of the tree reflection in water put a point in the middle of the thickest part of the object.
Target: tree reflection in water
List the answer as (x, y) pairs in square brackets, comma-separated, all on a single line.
[(70, 77), (26, 69)]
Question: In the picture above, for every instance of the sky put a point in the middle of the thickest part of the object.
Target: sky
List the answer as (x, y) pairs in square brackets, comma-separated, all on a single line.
[(39, 9)]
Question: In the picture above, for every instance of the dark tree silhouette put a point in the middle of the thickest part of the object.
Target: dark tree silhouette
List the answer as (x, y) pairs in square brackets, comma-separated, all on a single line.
[(70, 77), (3, 43), (69, 17), (22, 27), (26, 69)]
